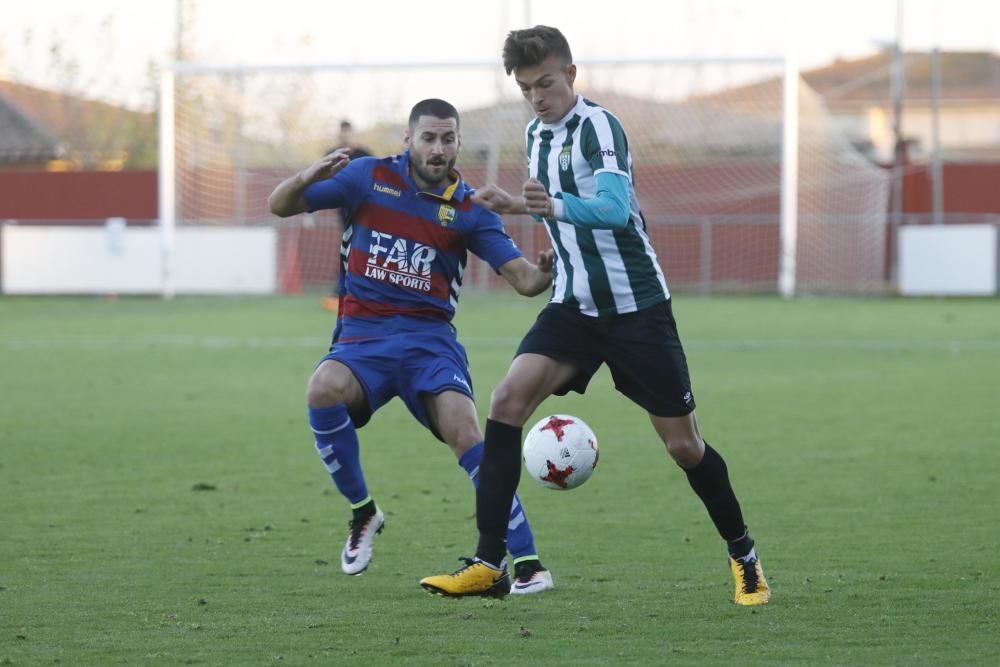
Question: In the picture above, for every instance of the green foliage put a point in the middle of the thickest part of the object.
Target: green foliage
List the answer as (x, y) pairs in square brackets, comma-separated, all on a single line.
[(162, 503)]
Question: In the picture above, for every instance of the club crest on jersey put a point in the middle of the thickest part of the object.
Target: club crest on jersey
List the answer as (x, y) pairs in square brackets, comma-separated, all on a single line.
[(564, 157), (446, 214)]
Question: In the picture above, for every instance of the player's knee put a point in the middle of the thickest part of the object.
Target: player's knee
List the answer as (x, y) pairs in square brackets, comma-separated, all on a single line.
[(470, 436), (325, 390), (316, 394), (507, 406), (686, 451), (463, 438), (460, 433)]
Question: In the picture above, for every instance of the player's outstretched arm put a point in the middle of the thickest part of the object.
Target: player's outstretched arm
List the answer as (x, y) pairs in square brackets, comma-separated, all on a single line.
[(609, 209), (498, 200), (288, 198), (526, 278)]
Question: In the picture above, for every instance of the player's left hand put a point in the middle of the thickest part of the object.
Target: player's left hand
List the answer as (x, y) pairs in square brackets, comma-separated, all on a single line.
[(536, 198)]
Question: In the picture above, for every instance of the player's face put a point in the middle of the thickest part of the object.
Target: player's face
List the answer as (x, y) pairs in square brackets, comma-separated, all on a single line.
[(433, 144), (346, 137), (548, 88)]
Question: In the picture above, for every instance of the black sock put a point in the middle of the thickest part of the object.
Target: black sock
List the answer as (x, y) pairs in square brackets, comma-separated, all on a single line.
[(710, 480), (740, 547), (365, 511), (499, 474), (528, 567)]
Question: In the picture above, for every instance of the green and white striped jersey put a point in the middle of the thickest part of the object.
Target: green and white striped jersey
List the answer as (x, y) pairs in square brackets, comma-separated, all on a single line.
[(600, 271)]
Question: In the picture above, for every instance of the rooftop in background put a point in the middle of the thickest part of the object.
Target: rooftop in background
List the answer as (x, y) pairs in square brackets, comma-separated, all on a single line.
[(89, 134), (966, 76), (22, 142)]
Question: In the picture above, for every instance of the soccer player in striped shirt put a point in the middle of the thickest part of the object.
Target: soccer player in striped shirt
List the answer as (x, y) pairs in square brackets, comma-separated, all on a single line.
[(610, 305), (409, 222)]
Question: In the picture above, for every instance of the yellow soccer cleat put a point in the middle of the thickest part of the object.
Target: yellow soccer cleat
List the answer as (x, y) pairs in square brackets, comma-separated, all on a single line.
[(751, 586), (476, 577)]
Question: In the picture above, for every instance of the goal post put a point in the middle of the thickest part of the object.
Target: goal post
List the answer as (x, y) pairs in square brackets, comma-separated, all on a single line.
[(789, 205), (166, 183), (746, 181)]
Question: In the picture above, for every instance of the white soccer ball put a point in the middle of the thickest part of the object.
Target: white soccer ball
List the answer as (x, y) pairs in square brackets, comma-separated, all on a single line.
[(560, 452)]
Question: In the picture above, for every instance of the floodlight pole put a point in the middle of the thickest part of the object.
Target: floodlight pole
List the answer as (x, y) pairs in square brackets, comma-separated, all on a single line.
[(789, 198), (897, 90)]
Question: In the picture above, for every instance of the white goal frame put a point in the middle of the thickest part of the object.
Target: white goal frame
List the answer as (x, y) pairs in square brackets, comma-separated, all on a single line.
[(788, 198)]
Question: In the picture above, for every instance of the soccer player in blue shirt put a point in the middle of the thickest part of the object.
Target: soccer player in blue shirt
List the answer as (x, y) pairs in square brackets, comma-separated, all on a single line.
[(610, 305), (409, 223)]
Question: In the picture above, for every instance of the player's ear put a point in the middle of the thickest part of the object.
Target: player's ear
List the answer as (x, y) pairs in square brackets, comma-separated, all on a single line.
[(406, 138), (570, 73)]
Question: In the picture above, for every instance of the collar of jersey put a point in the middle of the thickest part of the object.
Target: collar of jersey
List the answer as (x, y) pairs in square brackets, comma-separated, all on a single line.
[(454, 191), (569, 114)]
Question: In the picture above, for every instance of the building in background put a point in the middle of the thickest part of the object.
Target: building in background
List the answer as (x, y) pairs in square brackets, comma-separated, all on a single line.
[(23, 144), (857, 94), (83, 134), (69, 160)]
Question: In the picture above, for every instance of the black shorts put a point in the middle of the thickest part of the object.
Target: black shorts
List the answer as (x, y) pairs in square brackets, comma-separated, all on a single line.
[(642, 350)]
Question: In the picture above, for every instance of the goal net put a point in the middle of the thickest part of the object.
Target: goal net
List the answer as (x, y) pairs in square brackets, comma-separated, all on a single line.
[(706, 138)]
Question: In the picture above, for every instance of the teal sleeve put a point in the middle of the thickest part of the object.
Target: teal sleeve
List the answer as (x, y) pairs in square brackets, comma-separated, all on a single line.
[(608, 210)]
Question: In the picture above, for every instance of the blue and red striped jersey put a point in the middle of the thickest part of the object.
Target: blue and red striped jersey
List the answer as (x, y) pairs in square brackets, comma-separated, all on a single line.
[(404, 250)]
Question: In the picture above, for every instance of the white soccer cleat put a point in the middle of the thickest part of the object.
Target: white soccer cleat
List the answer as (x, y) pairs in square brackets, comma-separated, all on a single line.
[(530, 577), (357, 553)]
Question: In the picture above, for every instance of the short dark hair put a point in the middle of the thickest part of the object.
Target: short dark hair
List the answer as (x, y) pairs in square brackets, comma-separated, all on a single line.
[(531, 46), (432, 107)]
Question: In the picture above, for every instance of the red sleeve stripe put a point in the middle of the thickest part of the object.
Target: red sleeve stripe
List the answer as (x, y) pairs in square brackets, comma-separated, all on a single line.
[(399, 224)]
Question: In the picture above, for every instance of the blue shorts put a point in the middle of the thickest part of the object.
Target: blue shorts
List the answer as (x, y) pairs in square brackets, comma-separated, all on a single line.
[(406, 365)]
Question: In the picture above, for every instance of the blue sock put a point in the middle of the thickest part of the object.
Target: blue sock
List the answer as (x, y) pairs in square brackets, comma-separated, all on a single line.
[(337, 445), (520, 541)]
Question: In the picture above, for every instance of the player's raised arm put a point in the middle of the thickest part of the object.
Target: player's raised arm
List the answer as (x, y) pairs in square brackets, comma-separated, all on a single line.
[(288, 198), (526, 278)]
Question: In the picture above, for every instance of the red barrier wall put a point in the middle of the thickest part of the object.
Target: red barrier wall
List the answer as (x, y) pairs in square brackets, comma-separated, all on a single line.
[(739, 253), (968, 188), (78, 195)]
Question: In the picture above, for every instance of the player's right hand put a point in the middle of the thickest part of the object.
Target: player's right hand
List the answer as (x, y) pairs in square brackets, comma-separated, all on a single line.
[(545, 261), (327, 166), (494, 198)]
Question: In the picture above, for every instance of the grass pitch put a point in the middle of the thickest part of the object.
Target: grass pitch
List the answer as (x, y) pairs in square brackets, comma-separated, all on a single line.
[(162, 503)]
